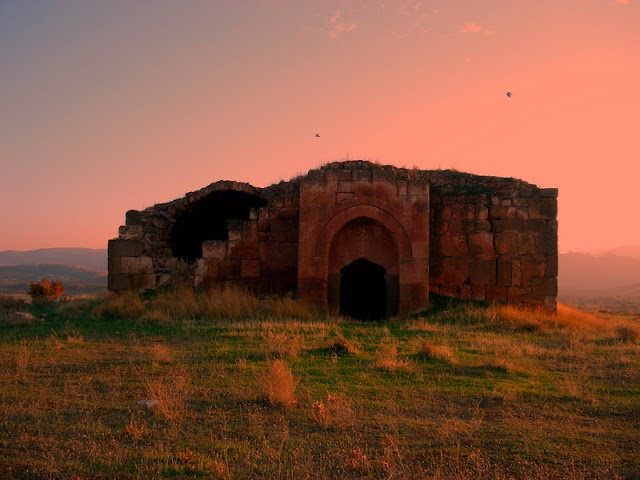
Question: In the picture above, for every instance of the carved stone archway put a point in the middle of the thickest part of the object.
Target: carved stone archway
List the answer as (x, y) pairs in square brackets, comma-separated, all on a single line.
[(363, 239)]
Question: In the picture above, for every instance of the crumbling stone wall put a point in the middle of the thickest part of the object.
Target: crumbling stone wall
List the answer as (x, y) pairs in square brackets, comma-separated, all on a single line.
[(444, 232)]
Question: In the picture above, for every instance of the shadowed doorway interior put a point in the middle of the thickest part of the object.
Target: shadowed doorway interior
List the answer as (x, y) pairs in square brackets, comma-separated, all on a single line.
[(363, 290)]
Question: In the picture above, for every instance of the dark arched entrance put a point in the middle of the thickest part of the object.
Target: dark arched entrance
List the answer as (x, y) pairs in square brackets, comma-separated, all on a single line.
[(207, 219), (363, 290)]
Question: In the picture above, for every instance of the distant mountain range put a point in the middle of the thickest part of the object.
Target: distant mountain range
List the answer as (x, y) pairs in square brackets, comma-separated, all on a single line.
[(82, 270), (632, 251), (585, 272), (76, 280), (77, 257), (607, 273)]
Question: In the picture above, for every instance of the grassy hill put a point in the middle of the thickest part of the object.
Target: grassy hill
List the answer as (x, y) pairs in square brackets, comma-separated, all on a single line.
[(227, 385)]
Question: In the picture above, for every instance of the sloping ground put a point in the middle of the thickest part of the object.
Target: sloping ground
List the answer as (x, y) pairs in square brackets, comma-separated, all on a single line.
[(77, 280)]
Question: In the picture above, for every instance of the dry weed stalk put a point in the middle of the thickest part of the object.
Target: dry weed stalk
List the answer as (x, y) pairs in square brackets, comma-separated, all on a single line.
[(358, 460), (23, 355), (341, 345), (282, 345), (171, 394), (437, 352), (160, 353), (334, 412), (387, 357), (277, 384), (135, 429)]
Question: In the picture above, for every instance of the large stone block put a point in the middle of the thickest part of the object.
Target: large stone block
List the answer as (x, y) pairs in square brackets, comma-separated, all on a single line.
[(508, 225), (142, 282), (132, 217), (478, 292), (453, 246), (535, 225), (202, 267), (549, 192), (547, 244), (119, 282), (449, 271), (543, 208), (531, 270), (476, 226), (250, 268), (482, 271), (552, 266), (544, 286), (505, 269), (506, 243), (124, 248), (214, 249), (137, 265), (526, 244), (496, 293), (481, 245)]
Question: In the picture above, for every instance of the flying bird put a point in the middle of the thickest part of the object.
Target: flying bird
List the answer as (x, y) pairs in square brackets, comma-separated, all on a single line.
[(317, 135), (509, 94)]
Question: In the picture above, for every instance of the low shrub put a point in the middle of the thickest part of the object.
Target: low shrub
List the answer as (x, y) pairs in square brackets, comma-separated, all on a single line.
[(46, 290), (387, 357), (277, 384)]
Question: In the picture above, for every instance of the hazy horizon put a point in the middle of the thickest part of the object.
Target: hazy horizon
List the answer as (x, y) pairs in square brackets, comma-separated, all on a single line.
[(111, 106)]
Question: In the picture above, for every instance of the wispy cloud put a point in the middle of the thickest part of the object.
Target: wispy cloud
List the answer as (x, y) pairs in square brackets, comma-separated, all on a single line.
[(471, 28), (336, 27), (475, 28)]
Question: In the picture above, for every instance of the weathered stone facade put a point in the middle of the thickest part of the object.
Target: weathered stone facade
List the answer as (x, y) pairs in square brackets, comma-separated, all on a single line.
[(366, 239)]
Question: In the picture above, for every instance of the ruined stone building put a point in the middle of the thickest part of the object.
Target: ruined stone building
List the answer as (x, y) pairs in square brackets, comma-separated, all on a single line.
[(360, 238)]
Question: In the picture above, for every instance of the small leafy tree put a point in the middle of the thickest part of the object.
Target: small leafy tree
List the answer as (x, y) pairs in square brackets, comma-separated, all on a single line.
[(46, 290)]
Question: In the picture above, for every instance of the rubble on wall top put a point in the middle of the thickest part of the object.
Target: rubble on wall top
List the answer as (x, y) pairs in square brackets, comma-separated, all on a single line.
[(442, 182)]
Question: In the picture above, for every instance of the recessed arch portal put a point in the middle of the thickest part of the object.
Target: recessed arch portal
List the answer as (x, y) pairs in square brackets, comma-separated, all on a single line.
[(363, 262)]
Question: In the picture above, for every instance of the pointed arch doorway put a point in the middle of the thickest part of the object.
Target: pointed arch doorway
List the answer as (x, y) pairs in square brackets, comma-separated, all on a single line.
[(363, 279)]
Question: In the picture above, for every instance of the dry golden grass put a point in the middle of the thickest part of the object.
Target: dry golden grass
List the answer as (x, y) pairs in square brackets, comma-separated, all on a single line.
[(17, 319), (565, 318), (126, 305), (160, 353), (282, 345), (387, 357), (22, 356), (171, 394), (505, 401), (437, 352), (182, 302), (334, 411), (277, 384), (340, 345), (136, 429), (628, 333)]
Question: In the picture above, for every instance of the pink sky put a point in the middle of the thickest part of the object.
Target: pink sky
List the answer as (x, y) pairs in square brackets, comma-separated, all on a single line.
[(111, 106)]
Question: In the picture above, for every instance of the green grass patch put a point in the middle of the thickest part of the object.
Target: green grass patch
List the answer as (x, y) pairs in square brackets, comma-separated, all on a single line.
[(142, 387)]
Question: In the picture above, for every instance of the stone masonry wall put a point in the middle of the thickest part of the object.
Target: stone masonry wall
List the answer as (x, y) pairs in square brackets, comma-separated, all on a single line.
[(261, 252), (502, 247), (487, 238)]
